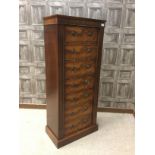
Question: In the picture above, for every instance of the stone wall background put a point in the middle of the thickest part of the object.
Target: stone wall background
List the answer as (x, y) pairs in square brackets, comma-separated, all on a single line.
[(117, 70)]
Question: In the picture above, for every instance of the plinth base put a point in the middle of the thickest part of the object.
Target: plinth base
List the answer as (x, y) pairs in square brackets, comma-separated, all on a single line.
[(61, 142)]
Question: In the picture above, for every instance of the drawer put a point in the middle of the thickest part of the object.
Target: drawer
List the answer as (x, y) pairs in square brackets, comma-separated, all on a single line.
[(79, 68), (80, 34), (78, 101), (79, 95), (72, 113), (80, 52), (79, 84), (69, 105), (77, 124)]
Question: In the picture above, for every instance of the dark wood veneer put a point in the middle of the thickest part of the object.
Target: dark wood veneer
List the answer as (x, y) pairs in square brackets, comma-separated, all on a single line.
[(73, 48)]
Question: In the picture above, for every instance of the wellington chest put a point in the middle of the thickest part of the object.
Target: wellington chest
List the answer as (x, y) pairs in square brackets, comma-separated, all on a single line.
[(73, 48)]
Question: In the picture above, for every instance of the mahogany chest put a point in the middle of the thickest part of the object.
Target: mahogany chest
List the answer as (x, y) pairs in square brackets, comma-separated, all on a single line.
[(73, 47)]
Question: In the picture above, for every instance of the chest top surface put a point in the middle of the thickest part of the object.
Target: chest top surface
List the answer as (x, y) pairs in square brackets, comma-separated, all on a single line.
[(70, 20)]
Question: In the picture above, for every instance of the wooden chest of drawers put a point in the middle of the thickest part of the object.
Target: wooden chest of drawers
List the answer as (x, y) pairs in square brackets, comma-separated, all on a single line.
[(73, 48)]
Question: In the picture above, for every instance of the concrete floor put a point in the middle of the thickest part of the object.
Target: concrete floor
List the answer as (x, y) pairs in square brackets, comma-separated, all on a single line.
[(114, 137)]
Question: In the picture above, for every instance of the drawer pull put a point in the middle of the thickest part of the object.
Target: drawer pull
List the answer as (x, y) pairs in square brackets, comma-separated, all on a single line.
[(74, 51), (86, 94), (89, 49), (74, 85), (75, 99), (85, 108), (86, 65), (86, 49), (90, 33), (72, 113), (73, 33), (74, 69), (72, 126), (86, 81), (84, 121)]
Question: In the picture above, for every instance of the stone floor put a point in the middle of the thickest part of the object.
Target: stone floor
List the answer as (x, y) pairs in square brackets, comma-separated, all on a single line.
[(114, 137)]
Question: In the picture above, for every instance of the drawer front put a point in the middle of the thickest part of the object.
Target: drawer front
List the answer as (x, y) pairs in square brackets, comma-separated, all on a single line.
[(72, 113), (77, 96), (77, 124), (77, 102), (73, 105), (80, 52), (80, 34), (75, 85), (79, 68)]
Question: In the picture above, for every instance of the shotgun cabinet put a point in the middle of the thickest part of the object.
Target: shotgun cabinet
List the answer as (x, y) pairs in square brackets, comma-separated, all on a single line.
[(73, 47)]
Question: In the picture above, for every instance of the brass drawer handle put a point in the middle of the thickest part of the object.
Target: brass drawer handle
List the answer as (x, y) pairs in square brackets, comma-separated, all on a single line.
[(74, 51), (75, 99), (73, 33), (86, 94), (72, 113), (85, 120), (86, 81), (90, 33), (86, 49), (86, 65), (85, 108), (89, 49), (72, 126), (75, 85), (74, 69)]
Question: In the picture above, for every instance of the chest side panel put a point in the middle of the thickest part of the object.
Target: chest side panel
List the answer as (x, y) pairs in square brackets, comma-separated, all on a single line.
[(52, 77)]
